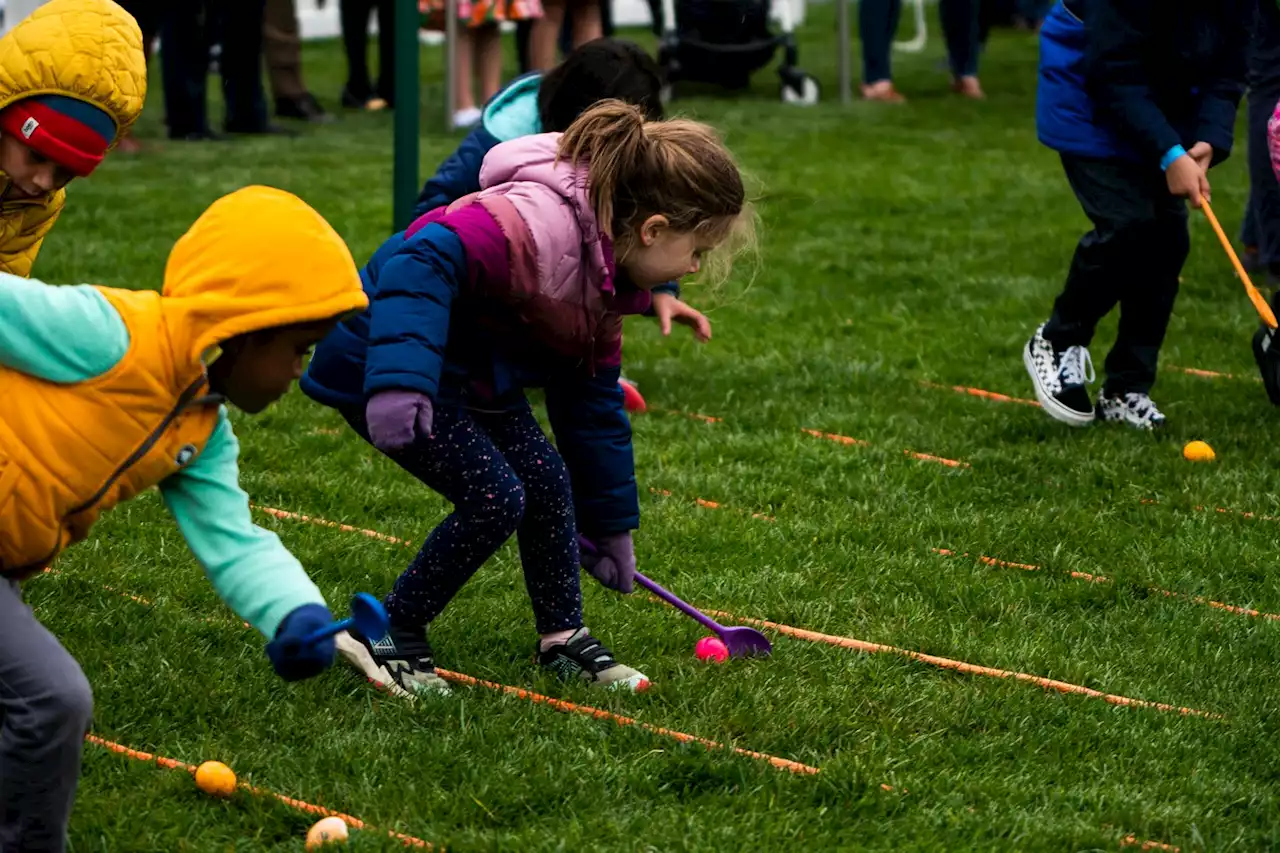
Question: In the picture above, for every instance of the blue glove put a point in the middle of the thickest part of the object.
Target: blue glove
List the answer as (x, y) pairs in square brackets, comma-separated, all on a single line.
[(293, 660)]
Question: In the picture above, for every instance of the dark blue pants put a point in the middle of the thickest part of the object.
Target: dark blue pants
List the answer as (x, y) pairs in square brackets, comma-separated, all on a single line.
[(502, 476), (878, 21), (1261, 228), (185, 37), (1131, 258)]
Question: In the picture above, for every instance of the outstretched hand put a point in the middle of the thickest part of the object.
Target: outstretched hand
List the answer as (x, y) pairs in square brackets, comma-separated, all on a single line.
[(669, 309)]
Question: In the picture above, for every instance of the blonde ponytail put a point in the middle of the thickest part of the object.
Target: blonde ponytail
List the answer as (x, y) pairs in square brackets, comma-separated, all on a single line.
[(678, 169), (609, 138)]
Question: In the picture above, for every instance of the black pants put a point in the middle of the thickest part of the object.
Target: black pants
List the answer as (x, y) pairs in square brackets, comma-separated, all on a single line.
[(186, 36), (355, 42), (524, 28), (503, 477), (1261, 228), (1132, 257), (878, 21)]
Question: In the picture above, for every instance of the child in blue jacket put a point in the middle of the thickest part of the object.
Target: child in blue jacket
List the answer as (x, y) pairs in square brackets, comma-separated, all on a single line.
[(524, 284), (548, 103), (1139, 98)]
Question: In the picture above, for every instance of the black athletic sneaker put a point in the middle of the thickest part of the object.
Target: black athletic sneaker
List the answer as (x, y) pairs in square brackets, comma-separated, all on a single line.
[(1060, 379), (582, 657), (401, 662)]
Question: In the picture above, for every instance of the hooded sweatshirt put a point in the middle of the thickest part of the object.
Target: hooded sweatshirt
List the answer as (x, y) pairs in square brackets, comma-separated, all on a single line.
[(89, 50), (508, 288), (107, 394)]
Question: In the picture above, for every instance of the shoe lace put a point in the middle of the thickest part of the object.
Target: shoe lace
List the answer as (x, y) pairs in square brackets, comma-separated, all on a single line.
[(1075, 367)]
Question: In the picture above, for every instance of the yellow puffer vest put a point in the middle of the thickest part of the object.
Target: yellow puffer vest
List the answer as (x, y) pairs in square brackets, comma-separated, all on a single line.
[(257, 259), (92, 445)]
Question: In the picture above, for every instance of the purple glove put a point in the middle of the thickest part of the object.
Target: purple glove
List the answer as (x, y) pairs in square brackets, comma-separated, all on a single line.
[(610, 559), (397, 418)]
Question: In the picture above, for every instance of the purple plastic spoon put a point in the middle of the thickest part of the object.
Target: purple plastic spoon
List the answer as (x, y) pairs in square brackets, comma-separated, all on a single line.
[(740, 641)]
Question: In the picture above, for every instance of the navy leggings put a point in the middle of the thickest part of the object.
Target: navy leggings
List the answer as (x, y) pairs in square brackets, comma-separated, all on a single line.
[(878, 21), (502, 476)]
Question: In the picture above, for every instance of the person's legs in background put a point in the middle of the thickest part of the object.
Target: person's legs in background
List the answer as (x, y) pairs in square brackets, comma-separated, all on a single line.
[(240, 66), (961, 29), (354, 19), (387, 52), (587, 21), (184, 60), (524, 30), (150, 15), (877, 23), (1261, 231), (282, 48), (545, 34)]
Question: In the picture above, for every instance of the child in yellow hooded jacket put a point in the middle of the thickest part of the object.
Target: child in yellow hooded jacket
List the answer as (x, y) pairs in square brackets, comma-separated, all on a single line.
[(73, 78), (109, 392)]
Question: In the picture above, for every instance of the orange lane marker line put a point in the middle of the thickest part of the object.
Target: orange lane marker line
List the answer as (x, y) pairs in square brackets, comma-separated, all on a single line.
[(301, 805), (1132, 841), (934, 660), (846, 440), (294, 516), (979, 392), (1167, 593), (1252, 516), (601, 714), (1211, 374), (560, 705), (706, 419), (705, 504), (961, 666)]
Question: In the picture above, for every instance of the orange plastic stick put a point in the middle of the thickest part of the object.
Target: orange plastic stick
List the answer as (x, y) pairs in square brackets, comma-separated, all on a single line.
[(301, 805), (601, 714), (1259, 304)]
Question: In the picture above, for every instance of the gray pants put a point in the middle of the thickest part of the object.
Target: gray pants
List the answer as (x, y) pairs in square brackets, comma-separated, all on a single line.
[(45, 708)]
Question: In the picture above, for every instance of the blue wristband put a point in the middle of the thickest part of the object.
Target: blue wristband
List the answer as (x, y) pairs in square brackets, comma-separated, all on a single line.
[(1169, 156)]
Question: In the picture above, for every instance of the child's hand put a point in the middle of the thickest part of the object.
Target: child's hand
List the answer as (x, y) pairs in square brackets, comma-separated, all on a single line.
[(397, 418), (668, 309), (1187, 180), (610, 559), (1202, 153), (294, 660)]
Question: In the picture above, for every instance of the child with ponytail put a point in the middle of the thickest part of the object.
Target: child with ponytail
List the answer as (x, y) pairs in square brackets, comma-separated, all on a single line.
[(525, 284)]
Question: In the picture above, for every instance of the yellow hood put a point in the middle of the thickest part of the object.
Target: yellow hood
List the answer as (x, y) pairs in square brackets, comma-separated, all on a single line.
[(257, 259), (85, 49)]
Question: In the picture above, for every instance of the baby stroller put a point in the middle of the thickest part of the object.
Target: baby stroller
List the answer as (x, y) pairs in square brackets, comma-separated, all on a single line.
[(724, 41)]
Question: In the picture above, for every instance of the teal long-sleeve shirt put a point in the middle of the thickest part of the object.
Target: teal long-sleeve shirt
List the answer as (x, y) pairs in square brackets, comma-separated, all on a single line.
[(72, 334)]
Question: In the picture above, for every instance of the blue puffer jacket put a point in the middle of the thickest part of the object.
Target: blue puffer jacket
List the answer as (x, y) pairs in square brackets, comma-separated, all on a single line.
[(418, 335), (1132, 79)]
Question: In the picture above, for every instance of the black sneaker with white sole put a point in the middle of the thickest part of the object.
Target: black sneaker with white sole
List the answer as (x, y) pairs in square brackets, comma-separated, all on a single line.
[(1132, 408), (1266, 353), (401, 662), (584, 658), (1061, 379)]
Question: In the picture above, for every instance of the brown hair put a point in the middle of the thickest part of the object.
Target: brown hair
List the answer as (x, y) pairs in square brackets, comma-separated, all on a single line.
[(678, 168)]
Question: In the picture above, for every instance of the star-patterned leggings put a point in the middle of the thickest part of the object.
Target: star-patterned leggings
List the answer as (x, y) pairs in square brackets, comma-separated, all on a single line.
[(502, 476)]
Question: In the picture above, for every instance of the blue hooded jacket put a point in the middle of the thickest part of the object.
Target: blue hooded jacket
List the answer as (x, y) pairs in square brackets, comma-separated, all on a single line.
[(1134, 79)]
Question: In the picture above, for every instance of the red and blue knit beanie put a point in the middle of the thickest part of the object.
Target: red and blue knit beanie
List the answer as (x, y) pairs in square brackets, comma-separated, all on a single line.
[(72, 133)]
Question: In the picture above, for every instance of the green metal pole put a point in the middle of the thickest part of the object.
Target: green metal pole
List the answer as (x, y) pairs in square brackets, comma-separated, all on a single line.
[(405, 175)]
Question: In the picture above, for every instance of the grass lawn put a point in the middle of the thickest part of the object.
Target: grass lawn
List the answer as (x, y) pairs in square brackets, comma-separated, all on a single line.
[(903, 248)]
